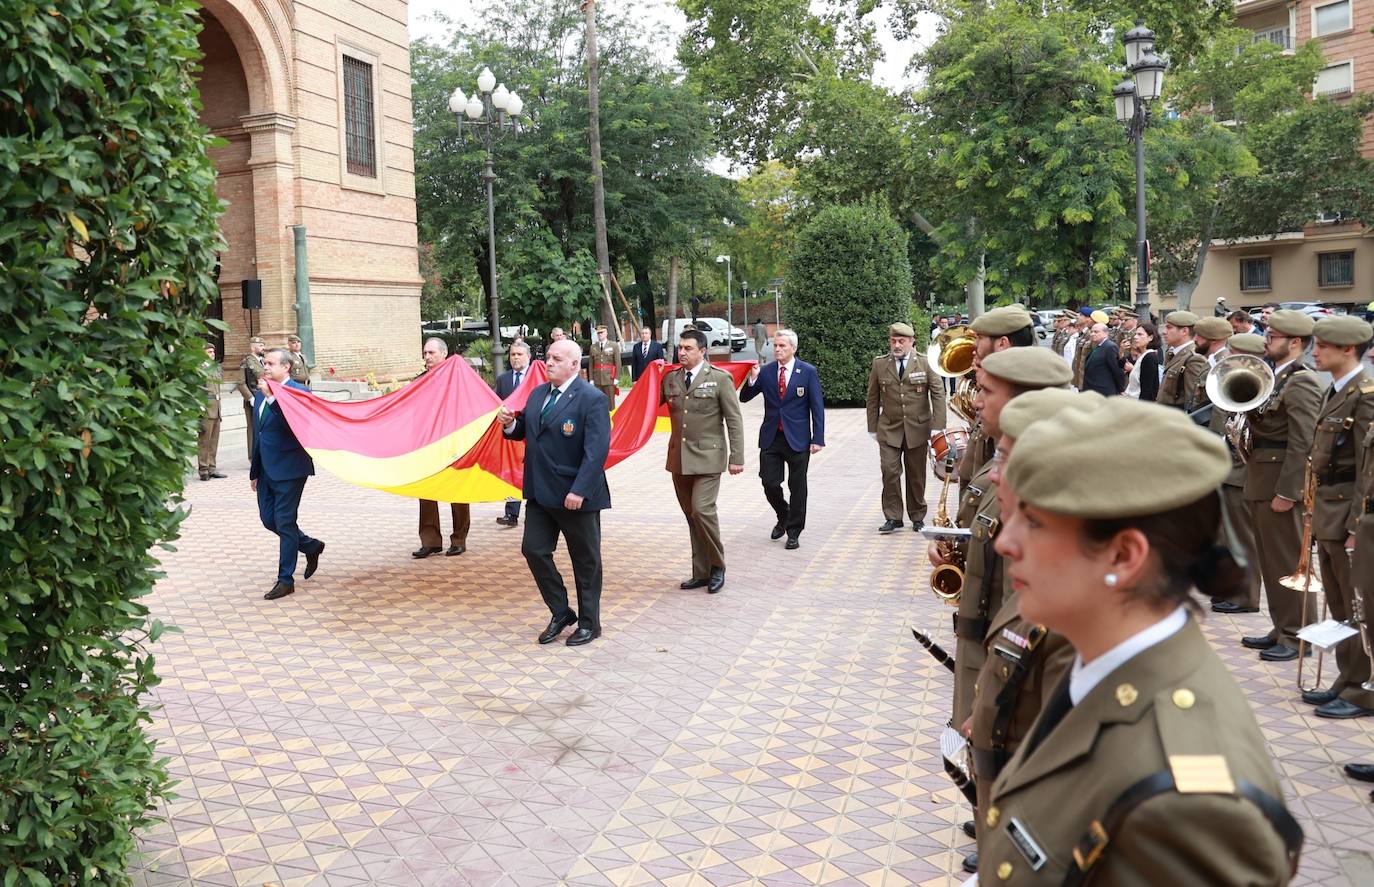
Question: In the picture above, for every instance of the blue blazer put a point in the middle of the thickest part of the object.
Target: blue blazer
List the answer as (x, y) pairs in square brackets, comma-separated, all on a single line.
[(802, 413), (639, 363), (566, 452), (276, 452), (505, 383)]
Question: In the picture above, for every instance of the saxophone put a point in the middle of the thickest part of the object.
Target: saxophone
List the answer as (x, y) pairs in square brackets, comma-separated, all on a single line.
[(947, 580)]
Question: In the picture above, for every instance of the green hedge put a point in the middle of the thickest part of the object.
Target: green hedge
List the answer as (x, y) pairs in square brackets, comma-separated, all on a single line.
[(107, 241), (850, 279)]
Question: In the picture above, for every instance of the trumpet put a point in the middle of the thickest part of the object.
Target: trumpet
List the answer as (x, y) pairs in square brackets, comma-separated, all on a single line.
[(1305, 578), (947, 580), (951, 356), (1238, 384)]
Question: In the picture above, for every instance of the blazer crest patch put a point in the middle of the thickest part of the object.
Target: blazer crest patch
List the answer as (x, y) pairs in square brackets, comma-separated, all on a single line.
[(569, 426)]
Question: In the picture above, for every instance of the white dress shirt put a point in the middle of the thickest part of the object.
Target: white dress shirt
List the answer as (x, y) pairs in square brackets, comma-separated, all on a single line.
[(1083, 678), (1345, 380)]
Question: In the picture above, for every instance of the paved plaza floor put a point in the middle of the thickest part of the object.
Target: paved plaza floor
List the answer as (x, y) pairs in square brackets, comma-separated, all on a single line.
[(394, 721)]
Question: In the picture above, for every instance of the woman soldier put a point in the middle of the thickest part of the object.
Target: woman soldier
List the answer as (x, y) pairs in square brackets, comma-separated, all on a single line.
[(1146, 765)]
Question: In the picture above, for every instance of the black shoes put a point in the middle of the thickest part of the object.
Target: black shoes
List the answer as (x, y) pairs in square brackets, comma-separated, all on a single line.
[(280, 590), (717, 580), (1282, 653), (778, 530), (694, 582), (1342, 710), (204, 476), (312, 561), (917, 526), (792, 543), (1231, 608), (454, 550), (889, 526), (1319, 697), (425, 551), (1362, 772), (555, 628), (507, 521), (971, 863), (969, 828), (1263, 642), (217, 476), (583, 636)]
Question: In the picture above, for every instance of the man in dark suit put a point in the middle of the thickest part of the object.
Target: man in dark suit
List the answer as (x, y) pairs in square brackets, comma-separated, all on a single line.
[(647, 350), (277, 473), (567, 432), (434, 353), (1102, 369), (793, 430), (506, 383)]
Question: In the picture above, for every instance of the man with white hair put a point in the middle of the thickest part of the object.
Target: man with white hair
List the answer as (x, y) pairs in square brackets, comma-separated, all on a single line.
[(793, 430), (431, 534)]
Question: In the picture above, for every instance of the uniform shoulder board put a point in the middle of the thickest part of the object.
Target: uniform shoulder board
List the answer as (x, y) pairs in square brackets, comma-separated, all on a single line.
[(1367, 388)]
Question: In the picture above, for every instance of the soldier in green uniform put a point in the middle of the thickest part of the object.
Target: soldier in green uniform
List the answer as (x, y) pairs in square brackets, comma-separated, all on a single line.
[(707, 438), (207, 442), (905, 405), (997, 330), (1083, 342), (1061, 333), (1184, 368), (1146, 765), (605, 366), (252, 369), (300, 367), (1239, 520), (1281, 432), (1362, 573), (1337, 448)]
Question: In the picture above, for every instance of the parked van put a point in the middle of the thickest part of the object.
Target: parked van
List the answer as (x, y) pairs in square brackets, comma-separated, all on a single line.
[(719, 334)]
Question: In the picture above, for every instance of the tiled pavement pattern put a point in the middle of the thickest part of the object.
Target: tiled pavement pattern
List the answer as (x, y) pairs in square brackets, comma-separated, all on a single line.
[(393, 722)]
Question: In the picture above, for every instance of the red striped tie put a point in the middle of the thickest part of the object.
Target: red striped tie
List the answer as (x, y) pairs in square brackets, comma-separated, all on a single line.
[(782, 392)]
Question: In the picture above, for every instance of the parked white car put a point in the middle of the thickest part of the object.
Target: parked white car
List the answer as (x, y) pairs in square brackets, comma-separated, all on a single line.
[(718, 332)]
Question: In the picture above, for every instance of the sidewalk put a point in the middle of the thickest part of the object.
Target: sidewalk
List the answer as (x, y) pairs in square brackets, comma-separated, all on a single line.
[(394, 721)]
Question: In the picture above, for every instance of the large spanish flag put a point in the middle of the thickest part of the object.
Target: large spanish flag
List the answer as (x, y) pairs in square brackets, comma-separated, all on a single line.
[(438, 438)]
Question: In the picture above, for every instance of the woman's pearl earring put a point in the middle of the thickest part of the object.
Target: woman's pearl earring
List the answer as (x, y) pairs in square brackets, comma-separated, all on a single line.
[(1110, 579)]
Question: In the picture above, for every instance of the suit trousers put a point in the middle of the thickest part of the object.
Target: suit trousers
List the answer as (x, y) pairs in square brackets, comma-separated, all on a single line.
[(432, 535), (1351, 661), (696, 495), (207, 444), (791, 514), (895, 460), (1278, 544), (278, 502), (513, 509), (582, 531), (250, 425), (1238, 517)]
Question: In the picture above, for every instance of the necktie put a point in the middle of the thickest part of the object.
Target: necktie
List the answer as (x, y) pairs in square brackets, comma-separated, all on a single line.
[(262, 410), (548, 404), (901, 368), (517, 378), (687, 379), (1060, 704), (782, 392)]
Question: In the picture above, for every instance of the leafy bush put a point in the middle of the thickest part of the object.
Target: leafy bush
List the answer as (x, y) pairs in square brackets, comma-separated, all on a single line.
[(850, 281), (107, 242), (543, 288)]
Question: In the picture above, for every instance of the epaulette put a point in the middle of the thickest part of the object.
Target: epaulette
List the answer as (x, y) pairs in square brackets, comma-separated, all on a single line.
[(1367, 388)]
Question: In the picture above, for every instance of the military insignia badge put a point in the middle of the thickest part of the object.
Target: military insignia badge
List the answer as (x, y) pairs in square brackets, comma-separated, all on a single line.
[(569, 426), (801, 391)]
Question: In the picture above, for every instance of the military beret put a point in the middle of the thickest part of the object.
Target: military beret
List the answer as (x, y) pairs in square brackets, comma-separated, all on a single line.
[(293, 338), (1002, 321), (1181, 318), (1059, 465), (1246, 343), (1342, 331), (1046, 403), (1291, 323), (1214, 328), (257, 340), (1099, 317), (901, 329), (1086, 311), (1029, 367)]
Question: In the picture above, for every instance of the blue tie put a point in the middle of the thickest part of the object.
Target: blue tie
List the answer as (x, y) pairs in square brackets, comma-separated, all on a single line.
[(548, 404), (517, 378)]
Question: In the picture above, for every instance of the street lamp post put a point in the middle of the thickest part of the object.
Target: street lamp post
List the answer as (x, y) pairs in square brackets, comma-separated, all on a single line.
[(729, 289), (744, 302), (493, 112), (1133, 97)]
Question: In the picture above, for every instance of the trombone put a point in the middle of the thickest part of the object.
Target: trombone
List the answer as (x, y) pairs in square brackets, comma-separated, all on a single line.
[(1305, 578), (951, 356)]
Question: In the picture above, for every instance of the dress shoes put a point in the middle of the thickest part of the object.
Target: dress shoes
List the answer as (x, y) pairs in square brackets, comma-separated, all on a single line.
[(969, 828), (778, 530), (281, 589), (1262, 642), (1281, 653), (455, 550), (890, 526), (555, 628), (917, 526), (425, 551), (971, 863), (792, 543), (583, 636), (507, 521), (694, 582), (1342, 709), (1362, 772), (717, 581), (312, 561), (204, 476), (1232, 608), (1319, 697), (217, 476)]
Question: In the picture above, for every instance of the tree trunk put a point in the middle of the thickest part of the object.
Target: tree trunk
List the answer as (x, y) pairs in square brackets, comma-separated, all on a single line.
[(672, 309), (975, 291), (603, 255), (1186, 288)]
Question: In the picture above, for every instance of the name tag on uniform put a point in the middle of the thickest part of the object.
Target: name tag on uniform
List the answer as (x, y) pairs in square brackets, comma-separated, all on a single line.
[(1022, 840), (975, 492)]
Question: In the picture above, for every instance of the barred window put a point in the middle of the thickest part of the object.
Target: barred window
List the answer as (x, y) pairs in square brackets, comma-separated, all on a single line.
[(1254, 273), (359, 131), (1336, 269)]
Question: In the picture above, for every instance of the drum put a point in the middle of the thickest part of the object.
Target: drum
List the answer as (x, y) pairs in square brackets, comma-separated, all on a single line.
[(944, 446)]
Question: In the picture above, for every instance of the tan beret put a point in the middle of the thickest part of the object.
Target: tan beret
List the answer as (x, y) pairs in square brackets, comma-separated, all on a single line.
[(1029, 367), (1291, 323), (256, 340), (1214, 328), (1342, 331), (901, 329), (1059, 465), (1100, 316), (1181, 318), (1246, 343), (293, 338), (1002, 321), (1046, 403)]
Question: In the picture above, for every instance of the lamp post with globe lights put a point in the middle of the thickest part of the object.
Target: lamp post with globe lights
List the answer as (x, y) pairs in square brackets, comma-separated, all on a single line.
[(492, 113), (729, 287), (1133, 97)]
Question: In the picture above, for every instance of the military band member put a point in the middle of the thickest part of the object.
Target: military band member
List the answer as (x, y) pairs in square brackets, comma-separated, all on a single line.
[(1337, 448), (1236, 510), (207, 442), (1184, 368), (300, 367), (707, 438), (253, 370), (1210, 335), (605, 366), (1146, 766), (997, 330), (1362, 568), (1281, 432), (905, 403)]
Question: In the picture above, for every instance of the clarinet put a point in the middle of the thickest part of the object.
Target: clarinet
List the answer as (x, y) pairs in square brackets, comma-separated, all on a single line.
[(935, 649)]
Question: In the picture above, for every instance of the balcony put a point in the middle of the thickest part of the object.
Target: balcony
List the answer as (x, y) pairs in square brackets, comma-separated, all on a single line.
[(1280, 37)]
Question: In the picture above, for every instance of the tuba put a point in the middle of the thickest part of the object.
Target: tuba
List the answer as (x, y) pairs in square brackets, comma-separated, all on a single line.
[(1305, 578), (947, 580), (951, 357), (1238, 384)]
